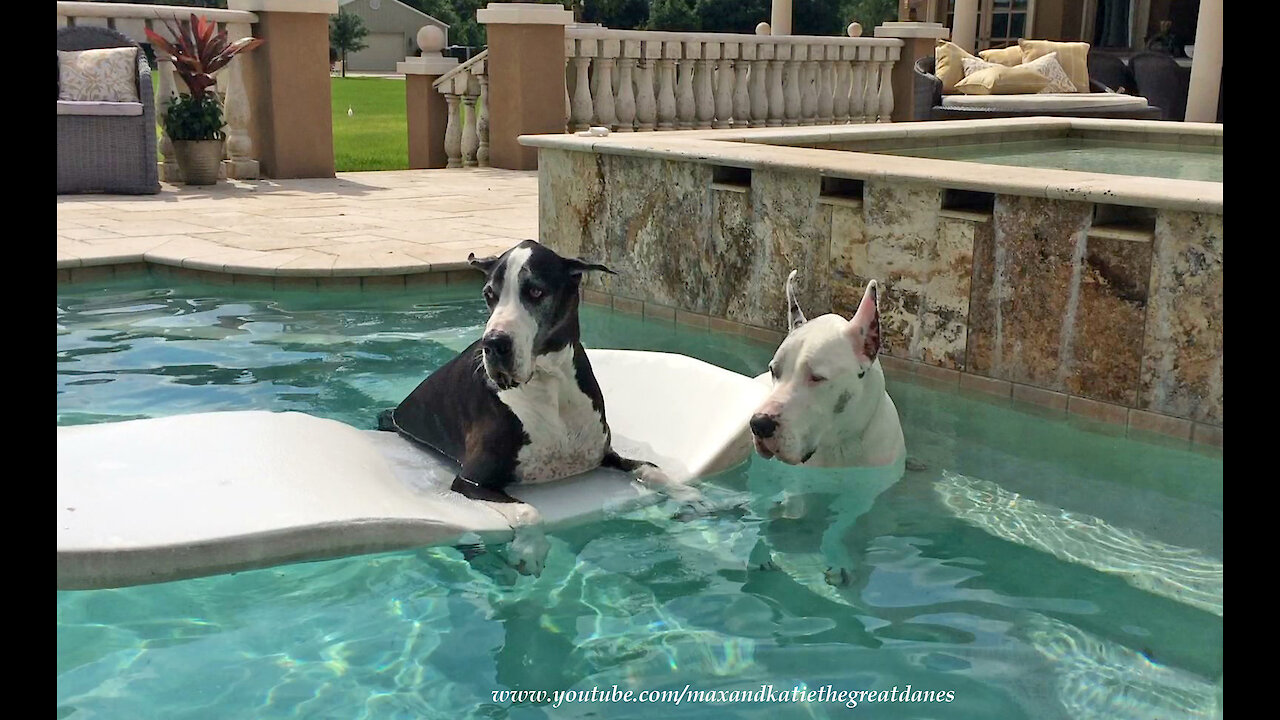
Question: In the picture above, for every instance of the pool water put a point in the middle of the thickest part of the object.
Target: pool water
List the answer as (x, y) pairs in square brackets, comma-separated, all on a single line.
[(1178, 162), (1037, 568)]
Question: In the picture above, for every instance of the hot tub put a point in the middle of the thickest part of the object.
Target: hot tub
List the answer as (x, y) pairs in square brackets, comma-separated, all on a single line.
[(1092, 286)]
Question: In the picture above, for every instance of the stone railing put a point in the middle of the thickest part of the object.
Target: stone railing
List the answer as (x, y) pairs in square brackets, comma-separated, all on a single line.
[(680, 81), (132, 20), (466, 90)]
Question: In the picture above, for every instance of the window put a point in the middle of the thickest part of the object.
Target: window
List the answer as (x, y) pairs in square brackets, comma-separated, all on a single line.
[(1000, 22)]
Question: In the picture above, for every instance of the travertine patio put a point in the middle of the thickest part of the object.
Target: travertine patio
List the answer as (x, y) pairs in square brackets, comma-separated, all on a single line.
[(357, 224)]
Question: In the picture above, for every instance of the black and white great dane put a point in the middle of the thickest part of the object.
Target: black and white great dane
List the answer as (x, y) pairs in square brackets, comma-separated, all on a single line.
[(521, 404)]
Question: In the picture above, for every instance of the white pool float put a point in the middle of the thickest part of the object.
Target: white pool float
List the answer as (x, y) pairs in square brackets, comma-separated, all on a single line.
[(162, 499)]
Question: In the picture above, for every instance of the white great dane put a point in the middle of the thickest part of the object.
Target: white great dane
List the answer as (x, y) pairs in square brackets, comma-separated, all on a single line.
[(829, 409)]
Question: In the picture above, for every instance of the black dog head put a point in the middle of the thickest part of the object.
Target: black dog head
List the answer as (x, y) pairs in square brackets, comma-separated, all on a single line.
[(533, 308)]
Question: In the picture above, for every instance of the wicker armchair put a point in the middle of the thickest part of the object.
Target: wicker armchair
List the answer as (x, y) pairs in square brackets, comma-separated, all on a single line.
[(928, 103), (103, 152)]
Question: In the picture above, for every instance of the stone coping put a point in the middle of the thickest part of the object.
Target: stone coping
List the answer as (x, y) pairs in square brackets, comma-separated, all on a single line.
[(1104, 416), (774, 148)]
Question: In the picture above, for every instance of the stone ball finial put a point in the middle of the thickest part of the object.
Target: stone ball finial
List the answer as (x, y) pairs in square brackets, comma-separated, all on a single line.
[(855, 29), (430, 39), (764, 29)]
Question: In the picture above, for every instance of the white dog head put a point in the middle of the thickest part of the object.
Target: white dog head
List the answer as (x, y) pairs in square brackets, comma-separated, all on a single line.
[(818, 374)]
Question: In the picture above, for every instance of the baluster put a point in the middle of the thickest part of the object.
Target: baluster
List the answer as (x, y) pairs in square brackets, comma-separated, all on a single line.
[(791, 88), (840, 106), (826, 84), (646, 103), (871, 97), (724, 83), (858, 87), (703, 87), (169, 171), (453, 132), (808, 84), (686, 105), (240, 161), (583, 109), (886, 85), (570, 50), (666, 91), (603, 96), (482, 117), (469, 88), (777, 101), (760, 84), (741, 92), (626, 107)]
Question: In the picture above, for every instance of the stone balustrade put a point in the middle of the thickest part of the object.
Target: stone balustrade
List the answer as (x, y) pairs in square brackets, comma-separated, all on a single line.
[(631, 80), (466, 90), (132, 20)]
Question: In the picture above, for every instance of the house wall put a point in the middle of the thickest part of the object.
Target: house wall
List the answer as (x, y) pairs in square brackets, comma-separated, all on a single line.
[(393, 29)]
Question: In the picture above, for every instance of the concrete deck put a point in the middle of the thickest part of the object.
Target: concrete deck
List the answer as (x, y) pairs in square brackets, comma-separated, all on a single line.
[(358, 224)]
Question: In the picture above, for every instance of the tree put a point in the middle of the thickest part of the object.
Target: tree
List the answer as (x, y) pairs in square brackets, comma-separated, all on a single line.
[(618, 14), (677, 15), (732, 16), (869, 13), (346, 34)]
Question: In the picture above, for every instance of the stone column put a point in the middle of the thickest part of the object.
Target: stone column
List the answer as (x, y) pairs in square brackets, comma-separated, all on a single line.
[(427, 111), (918, 40), (287, 83), (1206, 65), (526, 66), (964, 31), (780, 17)]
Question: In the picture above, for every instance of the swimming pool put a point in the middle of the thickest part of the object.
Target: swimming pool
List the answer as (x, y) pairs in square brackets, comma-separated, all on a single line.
[(1037, 569)]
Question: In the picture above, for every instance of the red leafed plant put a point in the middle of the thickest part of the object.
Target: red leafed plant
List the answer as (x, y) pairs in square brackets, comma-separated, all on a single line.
[(199, 49)]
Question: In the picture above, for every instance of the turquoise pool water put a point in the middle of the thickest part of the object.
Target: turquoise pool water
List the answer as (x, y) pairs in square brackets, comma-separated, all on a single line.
[(1037, 569), (1181, 162)]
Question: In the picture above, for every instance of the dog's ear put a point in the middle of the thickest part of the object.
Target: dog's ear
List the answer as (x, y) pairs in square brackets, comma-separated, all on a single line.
[(795, 316), (863, 330), (577, 267), (484, 264)]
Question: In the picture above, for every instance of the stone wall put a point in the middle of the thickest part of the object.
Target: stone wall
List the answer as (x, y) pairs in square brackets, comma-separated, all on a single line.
[(1030, 294)]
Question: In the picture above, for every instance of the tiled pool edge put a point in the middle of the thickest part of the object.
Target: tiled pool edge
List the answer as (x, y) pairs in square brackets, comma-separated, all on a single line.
[(456, 274), (1137, 423)]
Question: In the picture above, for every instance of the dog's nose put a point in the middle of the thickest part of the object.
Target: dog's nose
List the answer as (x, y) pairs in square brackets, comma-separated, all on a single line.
[(498, 343), (763, 425)]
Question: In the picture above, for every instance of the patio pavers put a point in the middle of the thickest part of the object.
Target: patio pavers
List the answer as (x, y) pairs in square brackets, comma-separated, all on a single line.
[(365, 223)]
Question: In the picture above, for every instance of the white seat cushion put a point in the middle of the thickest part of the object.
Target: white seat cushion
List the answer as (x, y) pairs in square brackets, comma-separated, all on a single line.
[(92, 107), (1046, 101)]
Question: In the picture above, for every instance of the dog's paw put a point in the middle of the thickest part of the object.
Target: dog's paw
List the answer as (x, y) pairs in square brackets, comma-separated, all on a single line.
[(527, 551), (915, 464), (838, 577)]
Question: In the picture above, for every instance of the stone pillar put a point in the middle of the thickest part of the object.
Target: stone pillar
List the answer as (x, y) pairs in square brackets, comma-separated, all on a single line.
[(526, 67), (964, 30), (1206, 65), (918, 40), (426, 111), (780, 17), (287, 80)]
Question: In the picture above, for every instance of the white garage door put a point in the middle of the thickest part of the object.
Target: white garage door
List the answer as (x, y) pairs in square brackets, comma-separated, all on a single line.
[(384, 51)]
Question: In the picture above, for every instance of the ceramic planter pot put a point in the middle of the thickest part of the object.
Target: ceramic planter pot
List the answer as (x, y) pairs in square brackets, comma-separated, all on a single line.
[(199, 160)]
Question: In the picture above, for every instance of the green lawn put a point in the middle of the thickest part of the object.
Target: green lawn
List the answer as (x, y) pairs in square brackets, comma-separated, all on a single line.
[(375, 137)]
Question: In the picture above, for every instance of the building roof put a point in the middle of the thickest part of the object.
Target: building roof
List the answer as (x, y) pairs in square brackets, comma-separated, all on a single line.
[(410, 8)]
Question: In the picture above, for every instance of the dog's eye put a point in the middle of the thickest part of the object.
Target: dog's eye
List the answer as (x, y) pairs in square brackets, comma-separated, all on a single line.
[(815, 379), (534, 293), (489, 295), (773, 371)]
